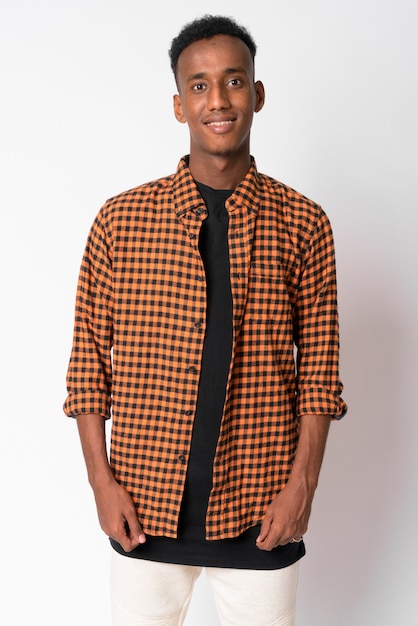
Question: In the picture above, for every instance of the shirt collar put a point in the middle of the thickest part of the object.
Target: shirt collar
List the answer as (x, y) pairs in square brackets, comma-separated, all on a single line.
[(188, 198)]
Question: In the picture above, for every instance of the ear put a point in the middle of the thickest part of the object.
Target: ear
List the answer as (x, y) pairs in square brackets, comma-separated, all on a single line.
[(178, 109), (260, 96)]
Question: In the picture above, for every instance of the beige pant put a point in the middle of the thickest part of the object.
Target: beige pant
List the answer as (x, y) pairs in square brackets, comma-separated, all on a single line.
[(147, 593)]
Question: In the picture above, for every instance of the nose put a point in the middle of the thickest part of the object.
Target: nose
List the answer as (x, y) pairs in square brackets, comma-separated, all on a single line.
[(218, 98)]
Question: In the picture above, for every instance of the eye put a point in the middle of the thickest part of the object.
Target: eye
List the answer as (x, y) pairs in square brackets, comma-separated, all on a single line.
[(235, 82), (198, 87)]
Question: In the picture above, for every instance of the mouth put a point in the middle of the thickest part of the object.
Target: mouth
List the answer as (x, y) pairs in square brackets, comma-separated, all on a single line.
[(220, 125), (224, 123)]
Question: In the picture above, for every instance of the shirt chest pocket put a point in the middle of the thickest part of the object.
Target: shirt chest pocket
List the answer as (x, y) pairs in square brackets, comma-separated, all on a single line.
[(268, 301)]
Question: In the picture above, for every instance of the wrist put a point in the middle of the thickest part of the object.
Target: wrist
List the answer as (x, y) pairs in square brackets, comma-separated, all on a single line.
[(303, 480), (100, 477)]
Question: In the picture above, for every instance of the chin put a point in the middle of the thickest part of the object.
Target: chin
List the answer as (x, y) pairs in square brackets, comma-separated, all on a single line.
[(224, 153)]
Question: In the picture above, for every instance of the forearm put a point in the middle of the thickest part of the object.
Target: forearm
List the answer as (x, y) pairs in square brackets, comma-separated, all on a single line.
[(310, 451), (91, 428), (115, 508)]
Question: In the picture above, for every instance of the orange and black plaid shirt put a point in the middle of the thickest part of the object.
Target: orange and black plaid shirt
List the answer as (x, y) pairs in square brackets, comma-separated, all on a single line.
[(139, 332)]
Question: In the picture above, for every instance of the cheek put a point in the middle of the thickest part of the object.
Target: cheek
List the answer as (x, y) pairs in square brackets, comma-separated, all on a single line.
[(193, 117)]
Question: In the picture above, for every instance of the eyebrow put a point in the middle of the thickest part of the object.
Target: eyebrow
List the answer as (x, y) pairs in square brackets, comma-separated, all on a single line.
[(228, 70)]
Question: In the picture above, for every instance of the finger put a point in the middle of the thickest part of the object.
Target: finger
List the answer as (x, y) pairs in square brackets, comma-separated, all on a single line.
[(268, 544), (133, 527), (135, 532), (121, 536), (267, 540), (274, 536), (125, 539), (264, 529)]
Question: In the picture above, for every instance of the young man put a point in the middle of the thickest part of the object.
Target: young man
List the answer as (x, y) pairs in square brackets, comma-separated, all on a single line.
[(193, 291)]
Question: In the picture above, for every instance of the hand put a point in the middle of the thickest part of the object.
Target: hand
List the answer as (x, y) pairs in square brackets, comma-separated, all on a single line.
[(286, 518), (288, 514), (117, 515), (115, 508)]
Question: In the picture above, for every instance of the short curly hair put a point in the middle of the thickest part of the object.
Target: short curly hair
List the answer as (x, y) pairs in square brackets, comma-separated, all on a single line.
[(204, 28)]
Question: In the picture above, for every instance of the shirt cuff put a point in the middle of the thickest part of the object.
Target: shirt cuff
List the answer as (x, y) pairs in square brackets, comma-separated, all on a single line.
[(320, 401), (87, 401)]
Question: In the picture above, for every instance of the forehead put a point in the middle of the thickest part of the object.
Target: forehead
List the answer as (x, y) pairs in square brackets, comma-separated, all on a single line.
[(215, 54)]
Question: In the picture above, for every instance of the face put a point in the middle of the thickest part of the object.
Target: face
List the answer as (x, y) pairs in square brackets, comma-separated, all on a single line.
[(217, 96)]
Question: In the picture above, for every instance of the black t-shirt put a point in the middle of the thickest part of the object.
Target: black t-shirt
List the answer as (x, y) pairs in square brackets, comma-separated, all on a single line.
[(191, 547)]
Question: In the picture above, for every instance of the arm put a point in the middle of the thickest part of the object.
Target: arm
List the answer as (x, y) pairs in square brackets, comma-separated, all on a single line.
[(89, 383), (115, 508), (287, 516), (318, 386)]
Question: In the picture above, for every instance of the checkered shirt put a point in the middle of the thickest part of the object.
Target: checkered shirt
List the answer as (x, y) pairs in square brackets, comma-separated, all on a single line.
[(138, 339)]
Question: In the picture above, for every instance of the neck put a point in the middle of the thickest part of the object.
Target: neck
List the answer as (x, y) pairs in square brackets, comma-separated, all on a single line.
[(219, 172)]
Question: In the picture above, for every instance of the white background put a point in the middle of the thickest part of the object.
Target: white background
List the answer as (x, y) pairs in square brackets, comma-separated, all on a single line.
[(86, 112)]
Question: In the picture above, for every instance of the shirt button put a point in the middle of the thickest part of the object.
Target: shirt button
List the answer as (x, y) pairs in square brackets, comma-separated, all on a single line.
[(197, 324), (200, 278), (192, 236), (191, 369), (189, 412), (181, 458)]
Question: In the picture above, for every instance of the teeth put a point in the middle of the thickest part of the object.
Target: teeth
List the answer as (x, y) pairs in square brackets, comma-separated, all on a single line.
[(219, 123)]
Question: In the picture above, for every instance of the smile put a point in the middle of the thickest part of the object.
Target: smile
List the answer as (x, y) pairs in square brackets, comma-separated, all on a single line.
[(219, 123)]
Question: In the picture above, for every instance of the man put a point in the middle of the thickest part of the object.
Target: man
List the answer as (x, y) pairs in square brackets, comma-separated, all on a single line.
[(193, 292)]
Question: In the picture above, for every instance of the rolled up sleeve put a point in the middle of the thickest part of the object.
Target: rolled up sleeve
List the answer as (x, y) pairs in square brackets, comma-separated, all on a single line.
[(89, 375), (319, 386)]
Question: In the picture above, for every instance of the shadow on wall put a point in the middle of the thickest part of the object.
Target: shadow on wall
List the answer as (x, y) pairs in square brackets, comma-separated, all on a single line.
[(356, 506)]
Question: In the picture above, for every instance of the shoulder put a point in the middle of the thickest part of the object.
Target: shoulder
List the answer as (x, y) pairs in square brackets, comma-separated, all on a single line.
[(137, 198), (293, 202), (301, 217)]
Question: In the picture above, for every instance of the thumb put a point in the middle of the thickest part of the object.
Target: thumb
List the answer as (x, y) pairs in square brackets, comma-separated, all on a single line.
[(264, 530), (134, 529)]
